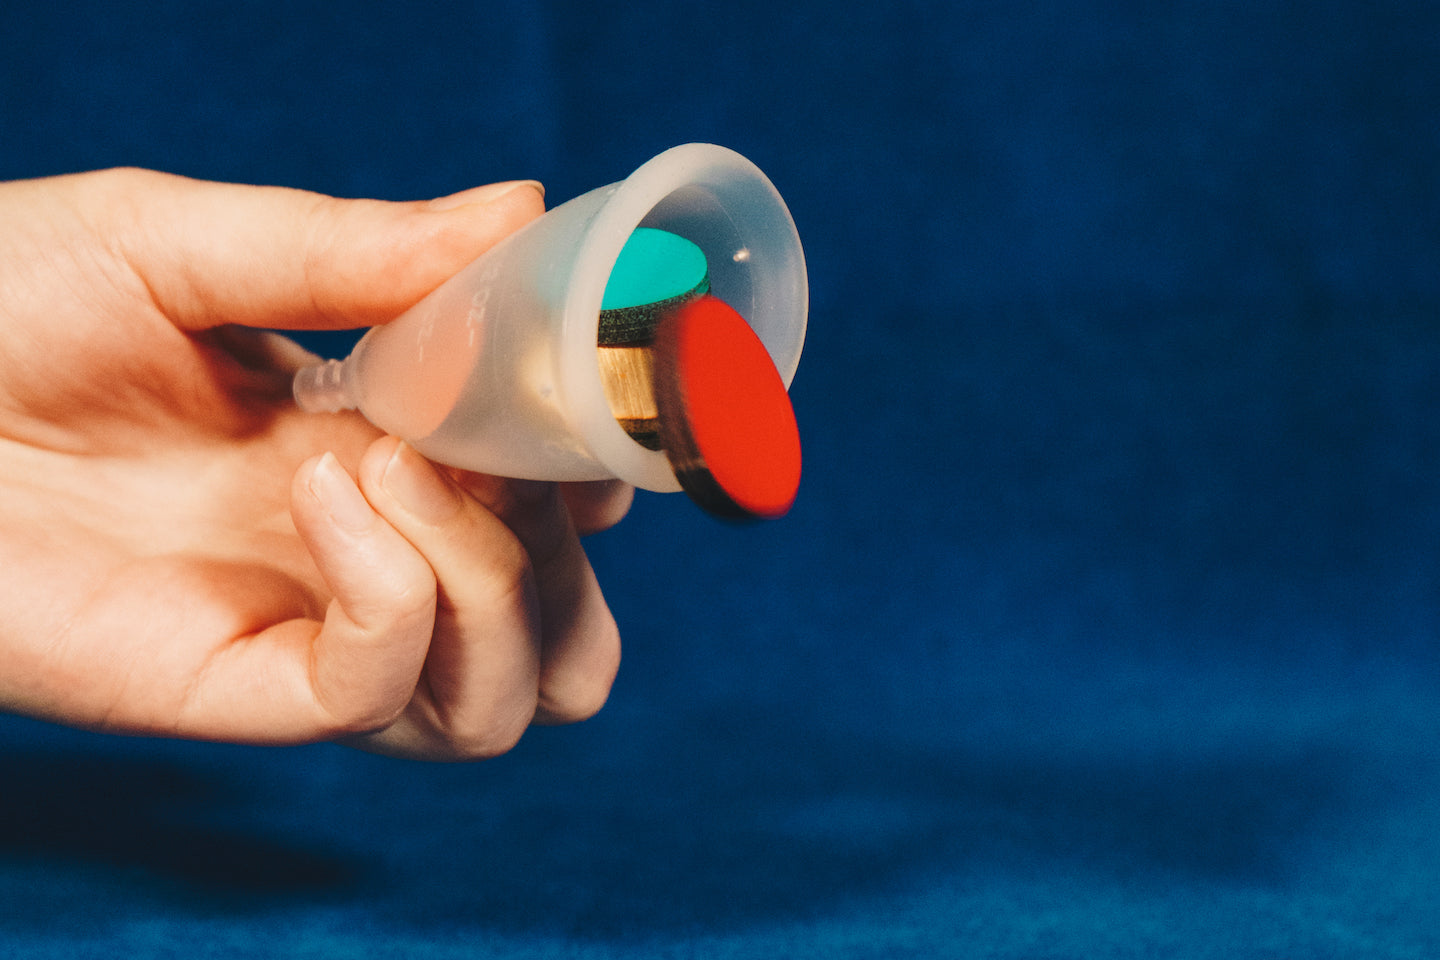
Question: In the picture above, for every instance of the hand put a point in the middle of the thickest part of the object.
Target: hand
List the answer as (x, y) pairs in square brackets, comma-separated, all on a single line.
[(186, 554)]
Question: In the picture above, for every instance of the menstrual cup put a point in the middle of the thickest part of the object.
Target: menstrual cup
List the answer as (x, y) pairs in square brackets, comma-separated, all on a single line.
[(497, 370)]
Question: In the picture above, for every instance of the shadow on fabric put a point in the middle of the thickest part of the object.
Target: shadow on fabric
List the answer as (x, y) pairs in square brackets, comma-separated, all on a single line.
[(729, 822), (158, 827)]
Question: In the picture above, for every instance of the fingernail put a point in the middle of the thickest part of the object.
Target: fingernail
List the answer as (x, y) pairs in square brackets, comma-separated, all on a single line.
[(418, 487), (337, 493), (486, 194)]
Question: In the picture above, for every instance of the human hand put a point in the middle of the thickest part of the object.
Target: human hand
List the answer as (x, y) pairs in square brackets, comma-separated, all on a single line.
[(186, 554)]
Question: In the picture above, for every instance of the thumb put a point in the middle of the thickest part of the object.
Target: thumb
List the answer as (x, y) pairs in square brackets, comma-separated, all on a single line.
[(213, 253)]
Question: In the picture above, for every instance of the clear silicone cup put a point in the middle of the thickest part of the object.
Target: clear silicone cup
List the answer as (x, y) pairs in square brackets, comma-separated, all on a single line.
[(497, 370)]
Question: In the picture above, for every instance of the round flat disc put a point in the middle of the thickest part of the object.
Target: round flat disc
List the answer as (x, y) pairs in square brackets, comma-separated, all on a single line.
[(655, 272), (726, 422)]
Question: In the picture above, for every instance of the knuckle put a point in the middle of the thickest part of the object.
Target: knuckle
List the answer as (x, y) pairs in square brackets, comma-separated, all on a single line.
[(497, 736), (577, 704), (413, 602), (122, 182), (509, 578), (360, 717), (580, 695), (322, 228), (402, 604)]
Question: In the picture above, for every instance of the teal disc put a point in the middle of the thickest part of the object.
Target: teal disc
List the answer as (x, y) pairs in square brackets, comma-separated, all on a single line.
[(655, 272)]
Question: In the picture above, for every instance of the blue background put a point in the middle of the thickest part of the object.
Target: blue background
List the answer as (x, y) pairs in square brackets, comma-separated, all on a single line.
[(1105, 625)]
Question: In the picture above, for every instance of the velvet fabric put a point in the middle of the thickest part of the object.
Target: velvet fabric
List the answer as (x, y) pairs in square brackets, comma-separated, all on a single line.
[(1105, 624)]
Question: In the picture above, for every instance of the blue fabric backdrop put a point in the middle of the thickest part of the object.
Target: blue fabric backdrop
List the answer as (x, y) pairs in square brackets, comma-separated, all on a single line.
[(1105, 625)]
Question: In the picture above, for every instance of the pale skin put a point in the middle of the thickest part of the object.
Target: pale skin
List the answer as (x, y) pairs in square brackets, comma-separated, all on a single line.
[(186, 554)]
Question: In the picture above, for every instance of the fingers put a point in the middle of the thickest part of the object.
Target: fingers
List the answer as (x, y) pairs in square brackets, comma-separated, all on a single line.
[(522, 631), (211, 253), (297, 680), (483, 674), (367, 658), (462, 611), (580, 642)]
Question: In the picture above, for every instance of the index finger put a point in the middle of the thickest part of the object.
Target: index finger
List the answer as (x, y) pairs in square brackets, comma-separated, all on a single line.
[(217, 253)]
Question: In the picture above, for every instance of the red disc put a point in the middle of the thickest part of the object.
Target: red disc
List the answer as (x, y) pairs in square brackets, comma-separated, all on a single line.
[(736, 434)]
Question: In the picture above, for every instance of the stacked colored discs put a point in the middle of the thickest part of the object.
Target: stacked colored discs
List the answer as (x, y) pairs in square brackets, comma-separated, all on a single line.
[(685, 373), (656, 272)]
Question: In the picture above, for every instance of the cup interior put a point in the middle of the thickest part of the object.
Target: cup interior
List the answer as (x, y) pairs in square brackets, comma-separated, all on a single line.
[(722, 203)]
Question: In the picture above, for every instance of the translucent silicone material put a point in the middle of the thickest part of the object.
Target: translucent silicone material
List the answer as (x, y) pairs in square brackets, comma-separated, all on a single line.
[(497, 370)]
